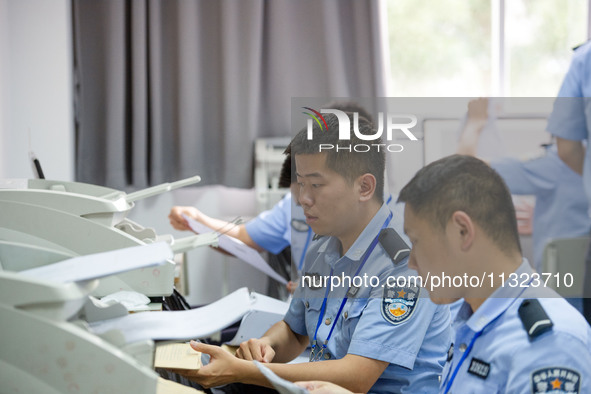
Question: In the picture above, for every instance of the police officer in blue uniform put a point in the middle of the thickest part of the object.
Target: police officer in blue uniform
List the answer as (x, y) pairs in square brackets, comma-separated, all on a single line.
[(398, 324), (512, 334), (366, 334), (570, 122)]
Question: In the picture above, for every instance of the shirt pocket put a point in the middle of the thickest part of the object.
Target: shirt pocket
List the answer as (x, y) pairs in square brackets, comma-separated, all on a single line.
[(313, 307), (351, 314)]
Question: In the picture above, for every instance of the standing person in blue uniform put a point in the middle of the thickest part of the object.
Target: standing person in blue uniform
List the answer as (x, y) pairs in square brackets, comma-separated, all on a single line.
[(570, 122), (364, 337), (561, 206), (512, 335)]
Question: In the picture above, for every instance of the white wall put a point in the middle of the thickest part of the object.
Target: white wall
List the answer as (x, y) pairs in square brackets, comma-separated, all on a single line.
[(36, 88)]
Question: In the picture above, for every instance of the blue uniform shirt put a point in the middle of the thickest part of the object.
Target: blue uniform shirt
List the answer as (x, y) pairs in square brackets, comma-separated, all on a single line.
[(272, 229), (561, 205), (571, 117), (414, 342), (503, 359)]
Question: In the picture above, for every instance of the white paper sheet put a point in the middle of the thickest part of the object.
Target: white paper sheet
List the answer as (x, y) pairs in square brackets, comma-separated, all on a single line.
[(238, 249), (181, 325), (281, 385), (98, 265)]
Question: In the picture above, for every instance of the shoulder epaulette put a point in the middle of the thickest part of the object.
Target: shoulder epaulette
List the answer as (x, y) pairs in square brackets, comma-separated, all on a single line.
[(394, 245), (534, 318)]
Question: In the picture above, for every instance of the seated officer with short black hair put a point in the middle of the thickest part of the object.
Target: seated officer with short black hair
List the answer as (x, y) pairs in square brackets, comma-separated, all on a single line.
[(513, 335), (364, 337)]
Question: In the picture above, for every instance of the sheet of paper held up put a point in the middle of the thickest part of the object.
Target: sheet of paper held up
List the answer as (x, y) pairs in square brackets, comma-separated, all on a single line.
[(177, 355), (238, 249), (98, 265), (180, 325)]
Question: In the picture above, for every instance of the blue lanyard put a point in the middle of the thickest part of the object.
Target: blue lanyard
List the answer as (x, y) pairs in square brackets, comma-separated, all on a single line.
[(308, 238), (466, 352), (389, 199), (469, 348), (324, 302)]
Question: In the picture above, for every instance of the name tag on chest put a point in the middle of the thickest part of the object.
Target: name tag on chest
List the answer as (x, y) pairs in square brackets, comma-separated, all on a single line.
[(479, 368)]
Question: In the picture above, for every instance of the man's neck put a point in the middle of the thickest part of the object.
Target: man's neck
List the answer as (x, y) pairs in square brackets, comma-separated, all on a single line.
[(500, 265), (366, 215)]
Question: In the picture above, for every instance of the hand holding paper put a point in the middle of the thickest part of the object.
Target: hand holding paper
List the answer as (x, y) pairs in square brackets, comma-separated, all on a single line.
[(177, 356), (238, 249)]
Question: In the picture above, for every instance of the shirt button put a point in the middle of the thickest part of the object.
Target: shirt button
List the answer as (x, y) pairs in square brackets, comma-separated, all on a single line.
[(327, 321), (463, 347), (326, 356), (307, 304), (346, 315)]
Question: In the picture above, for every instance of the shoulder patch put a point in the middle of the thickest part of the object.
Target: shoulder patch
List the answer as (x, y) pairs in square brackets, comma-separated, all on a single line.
[(534, 318), (394, 245), (399, 303), (556, 380)]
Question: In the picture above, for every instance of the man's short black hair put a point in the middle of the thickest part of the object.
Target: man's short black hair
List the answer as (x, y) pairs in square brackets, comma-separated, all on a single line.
[(343, 159), (464, 183), (349, 106), (287, 176)]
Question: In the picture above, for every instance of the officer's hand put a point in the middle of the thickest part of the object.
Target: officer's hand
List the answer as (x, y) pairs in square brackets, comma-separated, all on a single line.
[(317, 387), (291, 286), (177, 220), (524, 211), (478, 110), (222, 367), (256, 349)]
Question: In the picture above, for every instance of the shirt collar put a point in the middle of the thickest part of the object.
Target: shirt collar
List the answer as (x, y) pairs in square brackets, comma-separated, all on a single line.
[(364, 239), (498, 302)]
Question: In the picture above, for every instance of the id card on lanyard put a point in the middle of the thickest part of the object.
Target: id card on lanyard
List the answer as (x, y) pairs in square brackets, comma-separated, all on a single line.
[(318, 350)]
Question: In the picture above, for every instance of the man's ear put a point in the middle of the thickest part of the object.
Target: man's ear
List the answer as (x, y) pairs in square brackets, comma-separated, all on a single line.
[(367, 186), (462, 228)]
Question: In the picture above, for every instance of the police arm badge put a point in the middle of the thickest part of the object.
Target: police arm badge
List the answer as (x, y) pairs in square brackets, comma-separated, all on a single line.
[(399, 303)]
